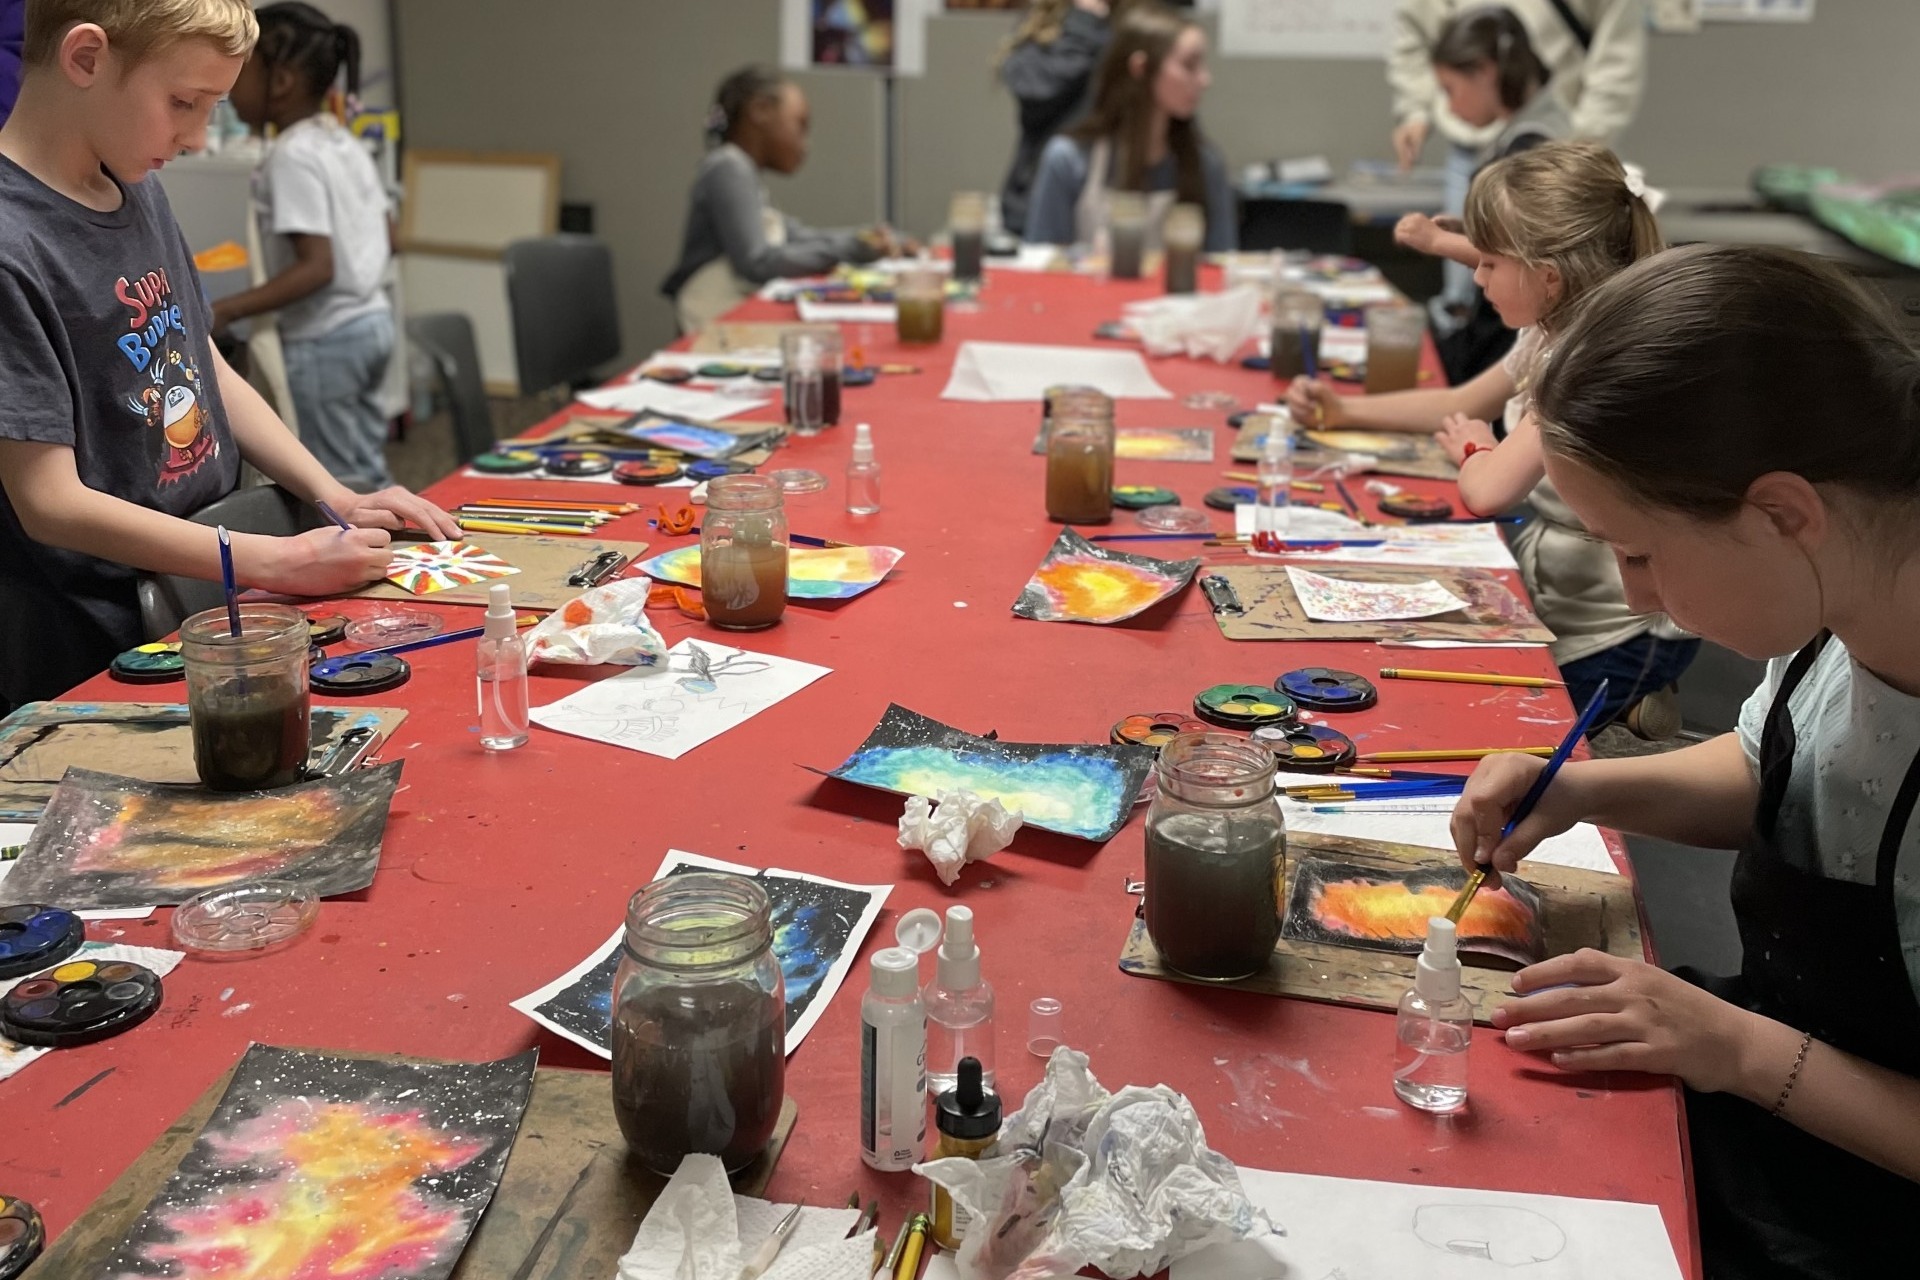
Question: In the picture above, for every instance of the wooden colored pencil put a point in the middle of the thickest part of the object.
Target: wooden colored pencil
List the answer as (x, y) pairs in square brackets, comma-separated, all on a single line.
[(1311, 486), (621, 508), (493, 526), (1470, 677), (1450, 753)]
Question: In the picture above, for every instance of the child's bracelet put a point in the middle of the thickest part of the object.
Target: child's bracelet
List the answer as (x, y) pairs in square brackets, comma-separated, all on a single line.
[(1472, 447), (1793, 1077)]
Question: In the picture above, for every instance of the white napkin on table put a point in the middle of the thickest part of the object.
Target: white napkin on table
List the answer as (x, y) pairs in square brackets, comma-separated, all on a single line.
[(1024, 371), (699, 1230)]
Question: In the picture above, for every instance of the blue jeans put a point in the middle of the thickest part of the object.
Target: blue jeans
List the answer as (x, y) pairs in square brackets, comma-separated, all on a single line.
[(335, 380), (1633, 669), (1458, 289)]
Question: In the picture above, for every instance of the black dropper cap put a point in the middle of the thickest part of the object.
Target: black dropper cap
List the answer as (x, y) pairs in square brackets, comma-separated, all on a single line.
[(969, 1111)]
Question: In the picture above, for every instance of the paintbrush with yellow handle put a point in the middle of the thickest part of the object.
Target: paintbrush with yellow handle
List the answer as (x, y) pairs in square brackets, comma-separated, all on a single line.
[(1529, 801)]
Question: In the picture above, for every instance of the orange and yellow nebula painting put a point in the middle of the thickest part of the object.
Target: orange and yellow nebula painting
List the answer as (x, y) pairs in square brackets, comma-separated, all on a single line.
[(1082, 581), (320, 1167), (1349, 905)]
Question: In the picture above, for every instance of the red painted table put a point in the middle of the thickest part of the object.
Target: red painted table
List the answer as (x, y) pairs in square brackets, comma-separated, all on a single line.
[(502, 871)]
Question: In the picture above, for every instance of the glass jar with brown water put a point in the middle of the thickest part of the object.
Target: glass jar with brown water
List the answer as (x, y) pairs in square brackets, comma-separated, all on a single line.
[(743, 553), (1216, 857), (247, 696), (1080, 439), (699, 1022)]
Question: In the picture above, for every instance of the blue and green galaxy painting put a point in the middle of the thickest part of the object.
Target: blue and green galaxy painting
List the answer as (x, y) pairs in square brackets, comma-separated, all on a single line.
[(818, 926), (1072, 788)]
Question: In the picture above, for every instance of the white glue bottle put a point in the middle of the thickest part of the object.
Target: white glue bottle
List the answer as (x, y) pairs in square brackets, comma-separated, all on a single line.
[(863, 475), (502, 672), (893, 1063), (1434, 1028), (1273, 515), (959, 1008)]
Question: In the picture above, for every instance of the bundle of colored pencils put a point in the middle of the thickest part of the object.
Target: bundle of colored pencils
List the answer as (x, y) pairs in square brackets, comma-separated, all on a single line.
[(535, 515)]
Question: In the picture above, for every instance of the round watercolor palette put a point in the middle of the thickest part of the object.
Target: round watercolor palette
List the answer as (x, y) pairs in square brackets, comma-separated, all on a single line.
[(707, 470), (1242, 706), (721, 369), (1155, 730), (245, 917), (1310, 747), (33, 937), (1326, 689), (672, 375), (507, 462), (22, 1235), (149, 664), (79, 1002), (1138, 497), (1227, 498), (326, 628), (585, 462), (858, 376), (647, 472), (769, 373), (1416, 507), (353, 674)]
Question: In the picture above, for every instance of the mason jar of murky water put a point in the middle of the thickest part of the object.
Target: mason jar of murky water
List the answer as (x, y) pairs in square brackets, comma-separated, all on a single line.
[(1216, 857), (699, 1022)]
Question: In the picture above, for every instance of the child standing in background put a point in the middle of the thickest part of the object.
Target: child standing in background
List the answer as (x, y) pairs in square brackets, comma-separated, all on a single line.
[(324, 222), (1047, 65)]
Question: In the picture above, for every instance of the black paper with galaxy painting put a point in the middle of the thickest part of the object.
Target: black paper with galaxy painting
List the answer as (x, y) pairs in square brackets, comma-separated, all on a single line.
[(818, 926), (351, 1168)]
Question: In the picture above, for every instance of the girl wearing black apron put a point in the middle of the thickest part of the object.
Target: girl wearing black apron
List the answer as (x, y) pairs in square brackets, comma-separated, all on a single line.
[(1742, 425)]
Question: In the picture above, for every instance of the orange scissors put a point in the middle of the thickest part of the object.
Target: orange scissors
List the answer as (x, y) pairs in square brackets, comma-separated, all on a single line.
[(667, 596), (675, 521)]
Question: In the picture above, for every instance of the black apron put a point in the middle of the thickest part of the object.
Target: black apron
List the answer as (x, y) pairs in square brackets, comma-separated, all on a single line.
[(1823, 956)]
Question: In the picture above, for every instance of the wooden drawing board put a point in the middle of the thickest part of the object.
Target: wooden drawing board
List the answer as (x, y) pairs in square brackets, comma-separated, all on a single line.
[(588, 428), (476, 203), (544, 563), (1577, 909), (568, 1205), (148, 741), (1273, 612), (1398, 453), (758, 336)]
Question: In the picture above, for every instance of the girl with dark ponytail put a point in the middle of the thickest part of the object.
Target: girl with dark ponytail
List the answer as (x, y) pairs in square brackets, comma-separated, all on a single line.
[(325, 235)]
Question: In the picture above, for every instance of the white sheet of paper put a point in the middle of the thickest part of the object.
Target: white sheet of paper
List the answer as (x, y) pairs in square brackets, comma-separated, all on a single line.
[(1456, 546), (749, 357), (1582, 846), (1326, 599), (814, 311), (14, 833), (1024, 371), (1360, 1230), (15, 1056), (829, 984), (1461, 644), (661, 711), (672, 402), (682, 483)]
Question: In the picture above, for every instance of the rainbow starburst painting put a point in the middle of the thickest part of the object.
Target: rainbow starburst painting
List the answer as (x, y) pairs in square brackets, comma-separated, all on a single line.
[(426, 567), (1080, 581), (344, 1168), (1072, 788)]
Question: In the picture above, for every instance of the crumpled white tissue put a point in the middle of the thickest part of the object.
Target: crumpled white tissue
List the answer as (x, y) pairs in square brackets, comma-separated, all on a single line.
[(1122, 1182), (699, 1230), (963, 828), (1212, 326), (607, 624)]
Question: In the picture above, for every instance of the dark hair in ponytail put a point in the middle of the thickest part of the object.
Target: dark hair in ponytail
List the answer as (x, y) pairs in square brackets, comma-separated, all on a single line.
[(1686, 377), (295, 34), (1493, 33), (750, 84)]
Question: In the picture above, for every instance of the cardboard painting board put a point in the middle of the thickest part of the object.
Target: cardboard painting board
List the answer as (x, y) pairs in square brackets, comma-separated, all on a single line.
[(568, 1204), (147, 741), (1397, 453), (544, 564), (762, 336), (612, 430), (1495, 613), (1577, 909)]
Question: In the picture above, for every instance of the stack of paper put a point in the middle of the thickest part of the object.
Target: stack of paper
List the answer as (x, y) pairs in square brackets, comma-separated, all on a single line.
[(1020, 371)]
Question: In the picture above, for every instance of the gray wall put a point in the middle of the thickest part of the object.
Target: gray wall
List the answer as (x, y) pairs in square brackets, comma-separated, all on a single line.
[(619, 88)]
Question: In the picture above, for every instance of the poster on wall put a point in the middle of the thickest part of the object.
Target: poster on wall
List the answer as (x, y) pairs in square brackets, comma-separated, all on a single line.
[(855, 35), (1306, 28)]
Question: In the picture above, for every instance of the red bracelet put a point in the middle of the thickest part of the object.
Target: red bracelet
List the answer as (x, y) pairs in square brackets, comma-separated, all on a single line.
[(1472, 447)]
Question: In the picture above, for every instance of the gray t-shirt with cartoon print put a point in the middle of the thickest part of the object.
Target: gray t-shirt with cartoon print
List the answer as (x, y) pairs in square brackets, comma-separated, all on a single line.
[(106, 352)]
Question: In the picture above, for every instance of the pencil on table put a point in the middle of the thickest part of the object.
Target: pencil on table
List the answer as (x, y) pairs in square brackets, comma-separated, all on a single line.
[(491, 526), (1455, 753), (1470, 677)]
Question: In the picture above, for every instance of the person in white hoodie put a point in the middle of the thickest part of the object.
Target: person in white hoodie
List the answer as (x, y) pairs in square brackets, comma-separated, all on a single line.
[(1596, 50)]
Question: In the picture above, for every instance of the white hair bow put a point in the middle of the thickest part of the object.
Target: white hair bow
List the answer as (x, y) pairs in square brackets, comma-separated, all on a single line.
[(1637, 187)]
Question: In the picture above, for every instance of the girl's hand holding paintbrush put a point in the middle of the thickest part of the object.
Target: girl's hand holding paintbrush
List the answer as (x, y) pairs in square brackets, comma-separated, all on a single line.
[(1315, 404)]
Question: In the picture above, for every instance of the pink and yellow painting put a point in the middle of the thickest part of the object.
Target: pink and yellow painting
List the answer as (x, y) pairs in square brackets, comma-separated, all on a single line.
[(1348, 905), (1164, 444), (107, 842), (813, 573), (345, 1168), (426, 567), (1081, 581)]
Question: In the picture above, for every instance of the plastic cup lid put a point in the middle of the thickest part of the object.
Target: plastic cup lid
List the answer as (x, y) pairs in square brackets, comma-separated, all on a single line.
[(798, 480), (245, 917), (1174, 520), (395, 626), (918, 930)]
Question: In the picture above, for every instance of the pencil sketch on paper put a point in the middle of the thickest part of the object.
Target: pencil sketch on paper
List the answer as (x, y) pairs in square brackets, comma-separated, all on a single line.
[(1505, 1235), (700, 692)]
